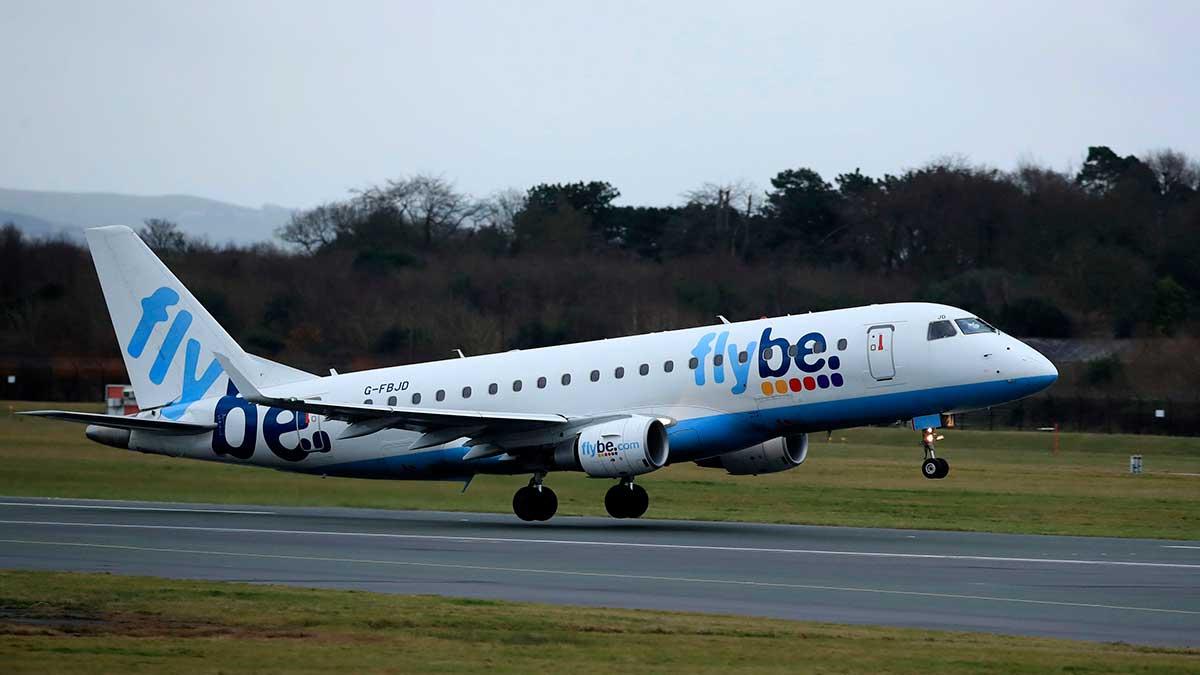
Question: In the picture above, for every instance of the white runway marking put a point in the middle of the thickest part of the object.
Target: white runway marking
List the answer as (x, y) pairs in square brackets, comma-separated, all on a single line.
[(91, 507), (617, 544), (608, 575), (1191, 547)]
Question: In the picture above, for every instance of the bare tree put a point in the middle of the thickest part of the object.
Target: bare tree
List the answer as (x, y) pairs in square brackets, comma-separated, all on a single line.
[(163, 236), (501, 209), (319, 227), (725, 202), (1178, 175), (430, 204)]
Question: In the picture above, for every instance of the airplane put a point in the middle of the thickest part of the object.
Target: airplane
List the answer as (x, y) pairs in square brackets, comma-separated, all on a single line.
[(740, 397)]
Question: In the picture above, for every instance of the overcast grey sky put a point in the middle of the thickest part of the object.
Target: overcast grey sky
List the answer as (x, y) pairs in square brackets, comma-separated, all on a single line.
[(296, 102)]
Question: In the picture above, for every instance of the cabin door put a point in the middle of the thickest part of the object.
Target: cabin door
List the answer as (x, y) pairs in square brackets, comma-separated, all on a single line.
[(879, 352)]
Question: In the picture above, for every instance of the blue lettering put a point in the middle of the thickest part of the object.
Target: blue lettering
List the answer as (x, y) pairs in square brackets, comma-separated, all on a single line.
[(226, 404), (741, 371), (719, 369), (154, 311), (170, 346), (700, 351), (765, 369), (812, 343), (273, 431)]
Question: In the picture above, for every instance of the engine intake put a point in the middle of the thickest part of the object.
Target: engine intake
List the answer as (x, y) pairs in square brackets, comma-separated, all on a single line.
[(778, 454), (620, 448)]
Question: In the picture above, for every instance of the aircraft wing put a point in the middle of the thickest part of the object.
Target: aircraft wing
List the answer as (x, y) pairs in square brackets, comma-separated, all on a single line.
[(118, 422), (438, 426)]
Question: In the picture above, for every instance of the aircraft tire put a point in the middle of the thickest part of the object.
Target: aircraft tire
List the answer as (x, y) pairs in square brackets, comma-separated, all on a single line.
[(615, 501), (931, 467), (637, 501), (525, 503), (547, 503), (943, 468)]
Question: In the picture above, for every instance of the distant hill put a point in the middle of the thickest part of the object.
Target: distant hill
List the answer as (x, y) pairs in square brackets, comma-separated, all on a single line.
[(41, 213)]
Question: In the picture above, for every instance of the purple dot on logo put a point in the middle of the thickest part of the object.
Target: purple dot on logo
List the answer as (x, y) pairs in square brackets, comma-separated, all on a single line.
[(837, 380), (834, 363), (823, 381)]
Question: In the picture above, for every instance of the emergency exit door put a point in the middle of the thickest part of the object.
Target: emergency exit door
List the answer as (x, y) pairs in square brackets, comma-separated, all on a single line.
[(879, 352)]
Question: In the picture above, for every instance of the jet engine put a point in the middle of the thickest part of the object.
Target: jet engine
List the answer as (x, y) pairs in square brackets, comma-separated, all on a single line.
[(778, 454), (617, 449)]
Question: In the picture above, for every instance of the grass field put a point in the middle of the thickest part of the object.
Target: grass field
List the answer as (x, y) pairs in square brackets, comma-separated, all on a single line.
[(95, 623), (1000, 482)]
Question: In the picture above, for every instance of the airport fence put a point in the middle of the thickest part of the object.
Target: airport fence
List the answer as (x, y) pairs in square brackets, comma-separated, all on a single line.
[(1136, 415)]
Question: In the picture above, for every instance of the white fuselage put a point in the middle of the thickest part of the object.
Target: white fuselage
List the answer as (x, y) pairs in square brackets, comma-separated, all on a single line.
[(819, 371)]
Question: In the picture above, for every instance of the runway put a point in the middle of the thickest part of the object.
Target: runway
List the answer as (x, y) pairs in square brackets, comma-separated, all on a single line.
[(1129, 590)]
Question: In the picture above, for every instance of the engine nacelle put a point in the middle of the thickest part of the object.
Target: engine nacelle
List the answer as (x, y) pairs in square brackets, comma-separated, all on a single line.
[(617, 449), (778, 454)]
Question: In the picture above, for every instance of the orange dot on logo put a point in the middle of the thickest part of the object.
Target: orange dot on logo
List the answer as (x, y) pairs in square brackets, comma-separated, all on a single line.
[(781, 386), (767, 389), (794, 384)]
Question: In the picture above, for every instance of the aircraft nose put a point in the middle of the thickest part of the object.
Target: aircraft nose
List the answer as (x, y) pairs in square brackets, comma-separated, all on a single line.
[(1039, 367)]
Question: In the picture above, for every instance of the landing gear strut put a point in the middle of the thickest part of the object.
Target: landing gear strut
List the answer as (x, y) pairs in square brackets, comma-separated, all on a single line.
[(535, 501), (933, 466), (626, 500)]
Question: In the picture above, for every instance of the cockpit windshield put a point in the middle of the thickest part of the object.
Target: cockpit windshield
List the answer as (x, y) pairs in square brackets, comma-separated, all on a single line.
[(940, 329), (972, 325)]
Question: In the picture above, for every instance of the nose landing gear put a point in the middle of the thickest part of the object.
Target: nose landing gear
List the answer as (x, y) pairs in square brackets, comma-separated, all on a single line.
[(535, 501), (626, 500), (933, 466)]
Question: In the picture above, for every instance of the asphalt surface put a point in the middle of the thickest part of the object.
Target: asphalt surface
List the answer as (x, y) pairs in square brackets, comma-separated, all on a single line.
[(1130, 590)]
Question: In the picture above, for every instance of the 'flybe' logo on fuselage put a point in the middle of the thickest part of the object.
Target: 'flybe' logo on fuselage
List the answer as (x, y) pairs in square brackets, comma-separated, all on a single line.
[(775, 357), (154, 312)]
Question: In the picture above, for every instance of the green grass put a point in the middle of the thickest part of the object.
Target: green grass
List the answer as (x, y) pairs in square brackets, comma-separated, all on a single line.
[(999, 482), (95, 623)]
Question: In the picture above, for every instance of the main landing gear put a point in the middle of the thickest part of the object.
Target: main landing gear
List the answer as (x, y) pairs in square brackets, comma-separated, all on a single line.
[(535, 501), (933, 466), (626, 500)]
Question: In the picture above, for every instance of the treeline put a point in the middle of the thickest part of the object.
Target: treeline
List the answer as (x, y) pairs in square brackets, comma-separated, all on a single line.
[(413, 268)]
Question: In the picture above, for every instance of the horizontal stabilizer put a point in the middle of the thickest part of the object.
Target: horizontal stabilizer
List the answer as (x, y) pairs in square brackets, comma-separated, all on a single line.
[(118, 422)]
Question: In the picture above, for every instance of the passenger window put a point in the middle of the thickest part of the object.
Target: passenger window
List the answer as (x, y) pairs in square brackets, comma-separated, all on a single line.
[(619, 372), (939, 330), (743, 357), (541, 383), (668, 366), (516, 385), (767, 353), (440, 395), (693, 363), (718, 359), (566, 379), (792, 351), (972, 325), (493, 388), (416, 399), (391, 400), (595, 376), (842, 345), (644, 369), (466, 392)]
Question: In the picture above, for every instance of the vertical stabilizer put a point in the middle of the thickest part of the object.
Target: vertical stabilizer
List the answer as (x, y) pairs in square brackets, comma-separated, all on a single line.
[(166, 337)]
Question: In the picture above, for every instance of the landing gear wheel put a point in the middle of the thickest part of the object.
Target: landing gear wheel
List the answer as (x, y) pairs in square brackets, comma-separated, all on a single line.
[(626, 500), (931, 467), (944, 467), (535, 502)]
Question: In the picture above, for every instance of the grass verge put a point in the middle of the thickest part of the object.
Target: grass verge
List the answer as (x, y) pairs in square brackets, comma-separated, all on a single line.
[(96, 623), (1000, 482)]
